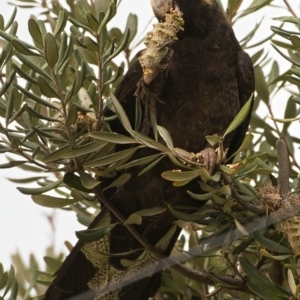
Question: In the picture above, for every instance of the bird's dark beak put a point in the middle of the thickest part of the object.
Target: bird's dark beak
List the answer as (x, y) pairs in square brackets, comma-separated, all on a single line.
[(161, 7)]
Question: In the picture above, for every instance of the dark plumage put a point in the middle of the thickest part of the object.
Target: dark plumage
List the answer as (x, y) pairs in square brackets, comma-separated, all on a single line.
[(206, 80)]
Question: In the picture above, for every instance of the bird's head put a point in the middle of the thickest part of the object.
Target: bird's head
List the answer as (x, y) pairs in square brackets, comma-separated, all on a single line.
[(197, 14), (161, 7)]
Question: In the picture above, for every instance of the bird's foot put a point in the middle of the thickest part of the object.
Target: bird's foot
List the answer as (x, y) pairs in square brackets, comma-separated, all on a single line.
[(208, 157)]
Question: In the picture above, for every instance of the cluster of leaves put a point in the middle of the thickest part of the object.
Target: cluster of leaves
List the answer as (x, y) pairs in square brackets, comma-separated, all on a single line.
[(52, 98)]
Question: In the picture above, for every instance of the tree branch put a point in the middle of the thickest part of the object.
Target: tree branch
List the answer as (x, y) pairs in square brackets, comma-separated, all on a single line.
[(171, 262)]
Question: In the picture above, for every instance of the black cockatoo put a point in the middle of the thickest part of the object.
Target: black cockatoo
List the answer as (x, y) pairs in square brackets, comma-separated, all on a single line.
[(198, 88)]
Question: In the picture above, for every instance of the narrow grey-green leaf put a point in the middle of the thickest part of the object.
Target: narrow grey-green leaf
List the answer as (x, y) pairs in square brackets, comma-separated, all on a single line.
[(11, 19), (140, 161), (112, 158), (8, 82), (52, 263), (92, 21), (12, 164), (51, 51), (163, 132), (32, 65), (10, 106), (144, 139), (120, 48), (56, 155), (87, 180), (35, 32), (61, 22), (112, 137), (240, 117), (37, 115), (72, 115), (180, 176), (269, 244), (201, 197), (46, 88), (91, 44), (84, 150), (95, 234), (74, 181), (53, 202), (36, 98), (40, 190), (119, 181), (121, 113), (21, 47), (23, 74)]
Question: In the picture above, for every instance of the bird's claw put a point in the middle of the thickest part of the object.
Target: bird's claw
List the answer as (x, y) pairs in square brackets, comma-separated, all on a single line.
[(208, 158)]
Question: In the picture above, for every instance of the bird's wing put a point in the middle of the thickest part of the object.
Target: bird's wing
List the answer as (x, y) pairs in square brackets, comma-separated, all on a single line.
[(246, 86), (82, 266)]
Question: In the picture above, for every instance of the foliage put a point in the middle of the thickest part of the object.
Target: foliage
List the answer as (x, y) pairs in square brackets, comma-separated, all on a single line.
[(52, 97)]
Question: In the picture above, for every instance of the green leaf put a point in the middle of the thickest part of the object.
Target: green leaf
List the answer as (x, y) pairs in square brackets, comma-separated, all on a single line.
[(31, 65), (22, 47), (87, 180), (23, 74), (10, 106), (46, 88), (112, 137), (276, 257), (120, 48), (147, 141), (56, 155), (92, 21), (36, 98), (121, 113), (37, 115), (53, 202), (36, 191), (119, 181), (95, 234), (132, 24), (240, 117), (8, 82), (72, 115), (295, 40), (140, 161), (112, 158), (178, 175), (35, 32), (61, 22), (12, 164), (77, 84), (150, 166), (52, 263), (189, 217), (133, 219), (163, 132), (11, 19), (260, 284), (84, 150), (74, 181), (201, 197), (269, 244), (214, 139), (51, 51), (167, 237)]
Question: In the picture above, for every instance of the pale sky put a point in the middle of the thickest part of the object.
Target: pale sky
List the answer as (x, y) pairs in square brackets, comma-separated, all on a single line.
[(23, 224)]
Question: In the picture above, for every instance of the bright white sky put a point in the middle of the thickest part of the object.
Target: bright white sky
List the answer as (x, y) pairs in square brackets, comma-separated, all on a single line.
[(23, 224)]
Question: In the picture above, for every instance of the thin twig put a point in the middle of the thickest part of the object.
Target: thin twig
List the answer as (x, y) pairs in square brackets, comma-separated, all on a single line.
[(290, 8)]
